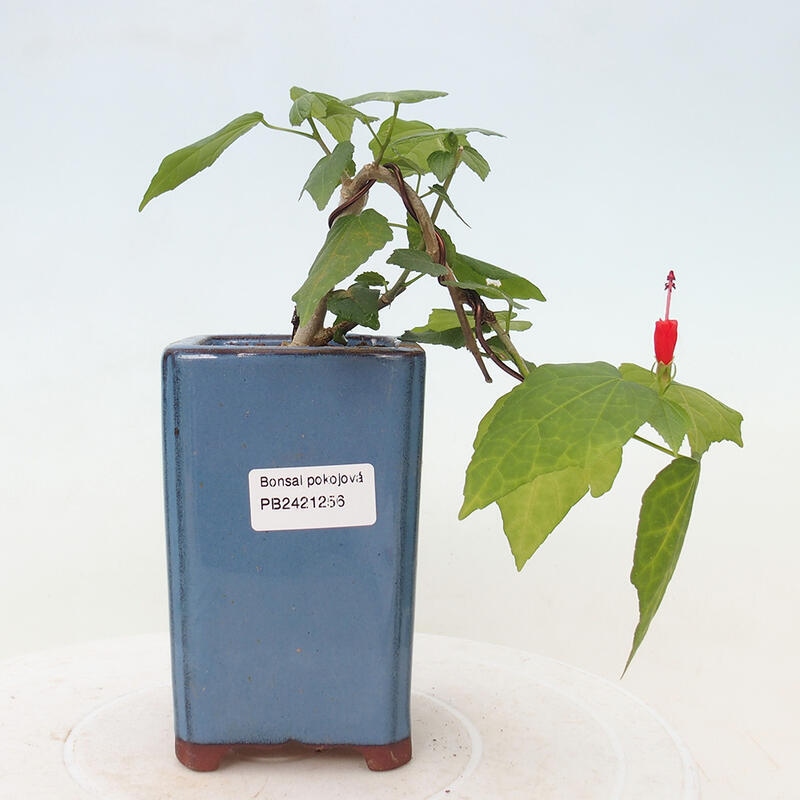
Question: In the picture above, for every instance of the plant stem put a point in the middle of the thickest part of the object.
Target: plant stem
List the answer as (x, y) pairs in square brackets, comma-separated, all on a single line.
[(653, 445), (386, 299), (317, 138), (400, 285), (392, 178), (389, 131), (518, 360), (308, 334), (374, 135), (414, 280), (287, 130)]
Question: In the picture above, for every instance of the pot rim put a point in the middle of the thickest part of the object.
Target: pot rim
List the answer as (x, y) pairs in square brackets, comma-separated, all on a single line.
[(277, 344)]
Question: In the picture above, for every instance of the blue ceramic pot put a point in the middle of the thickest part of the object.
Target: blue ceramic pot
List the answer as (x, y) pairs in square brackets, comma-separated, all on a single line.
[(292, 486)]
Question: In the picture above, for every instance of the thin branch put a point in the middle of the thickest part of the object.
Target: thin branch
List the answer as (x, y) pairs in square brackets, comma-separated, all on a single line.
[(502, 335), (317, 136), (287, 130), (434, 247), (654, 445), (389, 132), (354, 195)]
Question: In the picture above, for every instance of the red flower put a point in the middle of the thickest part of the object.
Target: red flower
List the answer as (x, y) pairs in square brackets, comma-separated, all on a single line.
[(666, 334), (665, 337)]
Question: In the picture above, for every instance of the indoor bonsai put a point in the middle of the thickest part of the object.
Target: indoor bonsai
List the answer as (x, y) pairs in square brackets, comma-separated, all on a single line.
[(560, 432)]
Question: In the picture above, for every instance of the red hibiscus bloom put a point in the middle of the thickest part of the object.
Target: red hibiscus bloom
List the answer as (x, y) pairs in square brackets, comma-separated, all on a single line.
[(666, 333)]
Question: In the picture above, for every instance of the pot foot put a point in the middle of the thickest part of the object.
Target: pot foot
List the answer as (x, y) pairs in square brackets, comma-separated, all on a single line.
[(384, 757), (208, 757), (201, 757)]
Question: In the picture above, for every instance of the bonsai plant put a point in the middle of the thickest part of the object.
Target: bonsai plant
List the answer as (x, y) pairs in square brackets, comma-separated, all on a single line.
[(559, 433)]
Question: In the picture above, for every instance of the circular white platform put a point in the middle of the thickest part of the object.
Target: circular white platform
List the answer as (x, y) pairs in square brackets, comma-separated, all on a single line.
[(95, 721)]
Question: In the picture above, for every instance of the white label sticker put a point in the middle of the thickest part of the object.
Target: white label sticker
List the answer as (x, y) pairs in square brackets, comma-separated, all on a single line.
[(297, 498)]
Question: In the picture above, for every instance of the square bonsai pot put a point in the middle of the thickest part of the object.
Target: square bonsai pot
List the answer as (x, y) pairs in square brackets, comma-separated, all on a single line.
[(292, 492)]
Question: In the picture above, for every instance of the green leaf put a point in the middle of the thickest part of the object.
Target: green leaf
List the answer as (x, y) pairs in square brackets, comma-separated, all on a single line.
[(413, 142), (406, 96), (416, 261), (686, 411), (412, 156), (460, 132), (486, 423), (306, 104), (350, 242), (669, 421), (326, 176), (442, 163), (603, 470), (709, 420), (185, 163), (562, 415), (473, 271), (452, 337), (663, 521), (486, 289), (371, 279), (444, 328), (407, 166), (358, 304), (531, 512), (335, 115), (442, 319), (339, 119), (414, 234), (476, 162)]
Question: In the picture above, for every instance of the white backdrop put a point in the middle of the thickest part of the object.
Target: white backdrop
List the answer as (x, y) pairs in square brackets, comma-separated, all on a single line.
[(640, 136)]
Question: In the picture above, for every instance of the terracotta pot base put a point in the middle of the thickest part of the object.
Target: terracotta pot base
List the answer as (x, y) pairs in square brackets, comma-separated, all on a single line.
[(208, 757)]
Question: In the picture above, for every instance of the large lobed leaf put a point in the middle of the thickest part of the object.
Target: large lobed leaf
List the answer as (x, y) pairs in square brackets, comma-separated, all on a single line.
[(562, 416), (185, 163), (350, 242), (559, 435), (663, 521), (531, 512)]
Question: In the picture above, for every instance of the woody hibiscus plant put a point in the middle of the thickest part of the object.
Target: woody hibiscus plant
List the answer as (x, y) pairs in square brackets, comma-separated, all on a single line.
[(559, 433)]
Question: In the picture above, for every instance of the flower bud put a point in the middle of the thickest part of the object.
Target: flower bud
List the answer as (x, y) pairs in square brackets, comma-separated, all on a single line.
[(665, 337)]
